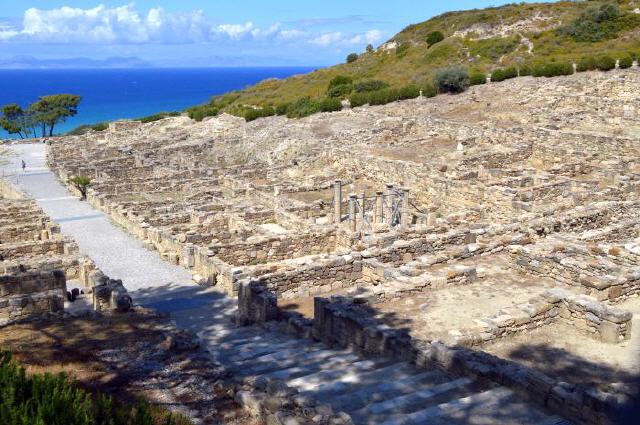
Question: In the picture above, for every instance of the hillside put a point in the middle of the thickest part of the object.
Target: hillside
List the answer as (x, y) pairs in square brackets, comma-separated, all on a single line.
[(481, 40)]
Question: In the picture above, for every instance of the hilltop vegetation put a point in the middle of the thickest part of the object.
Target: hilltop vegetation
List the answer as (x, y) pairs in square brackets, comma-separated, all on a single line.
[(537, 39)]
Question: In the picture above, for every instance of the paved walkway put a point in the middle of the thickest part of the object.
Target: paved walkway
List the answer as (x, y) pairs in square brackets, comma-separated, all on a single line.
[(373, 391)]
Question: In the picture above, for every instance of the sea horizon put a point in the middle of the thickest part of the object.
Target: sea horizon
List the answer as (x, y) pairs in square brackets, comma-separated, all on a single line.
[(111, 94)]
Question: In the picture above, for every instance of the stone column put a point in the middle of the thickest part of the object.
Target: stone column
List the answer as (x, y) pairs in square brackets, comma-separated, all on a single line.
[(404, 214), (389, 195), (378, 215), (337, 201), (361, 213), (352, 212)]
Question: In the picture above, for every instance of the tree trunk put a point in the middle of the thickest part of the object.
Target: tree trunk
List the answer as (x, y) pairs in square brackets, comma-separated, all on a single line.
[(44, 129), (51, 131)]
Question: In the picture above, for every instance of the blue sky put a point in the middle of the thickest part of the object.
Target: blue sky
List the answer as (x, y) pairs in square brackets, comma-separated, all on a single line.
[(209, 32)]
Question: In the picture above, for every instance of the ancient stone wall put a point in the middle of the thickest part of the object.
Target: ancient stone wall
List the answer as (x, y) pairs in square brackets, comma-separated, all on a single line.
[(30, 295)]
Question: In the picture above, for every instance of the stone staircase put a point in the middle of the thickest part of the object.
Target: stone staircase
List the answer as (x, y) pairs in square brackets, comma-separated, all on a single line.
[(371, 390), (374, 390)]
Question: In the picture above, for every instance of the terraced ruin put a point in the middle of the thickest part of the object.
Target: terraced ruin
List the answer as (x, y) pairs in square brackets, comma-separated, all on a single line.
[(418, 262)]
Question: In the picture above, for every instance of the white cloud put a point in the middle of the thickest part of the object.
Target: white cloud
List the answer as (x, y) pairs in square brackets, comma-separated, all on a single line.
[(127, 25), (329, 38), (337, 38)]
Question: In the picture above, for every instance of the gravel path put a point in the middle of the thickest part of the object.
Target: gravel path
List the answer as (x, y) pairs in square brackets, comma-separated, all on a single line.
[(119, 255)]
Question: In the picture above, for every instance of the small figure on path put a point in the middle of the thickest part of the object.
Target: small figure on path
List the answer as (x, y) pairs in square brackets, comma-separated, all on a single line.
[(24, 165)]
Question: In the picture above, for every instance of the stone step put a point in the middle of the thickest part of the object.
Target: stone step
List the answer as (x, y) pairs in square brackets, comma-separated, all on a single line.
[(250, 351), (325, 377), (377, 412), (336, 362), (498, 406), (283, 359), (350, 382), (359, 398)]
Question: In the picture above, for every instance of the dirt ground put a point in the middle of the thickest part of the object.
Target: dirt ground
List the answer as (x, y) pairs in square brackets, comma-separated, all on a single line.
[(130, 356), (431, 314), (562, 351)]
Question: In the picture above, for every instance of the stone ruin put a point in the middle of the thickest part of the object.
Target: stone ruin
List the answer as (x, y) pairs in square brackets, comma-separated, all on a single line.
[(38, 264), (422, 229)]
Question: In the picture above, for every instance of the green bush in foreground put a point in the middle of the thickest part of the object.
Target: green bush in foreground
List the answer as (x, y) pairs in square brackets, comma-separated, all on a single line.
[(281, 109), (330, 105), (358, 99), (552, 69), (252, 114), (586, 64), (453, 79), (501, 74), (477, 78), (303, 108), (525, 70), (409, 92), (382, 97), (626, 62), (370, 85), (340, 91), (46, 399), (429, 90), (605, 63)]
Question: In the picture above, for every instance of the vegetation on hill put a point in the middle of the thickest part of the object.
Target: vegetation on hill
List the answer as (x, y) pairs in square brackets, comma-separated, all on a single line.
[(540, 39), (47, 399)]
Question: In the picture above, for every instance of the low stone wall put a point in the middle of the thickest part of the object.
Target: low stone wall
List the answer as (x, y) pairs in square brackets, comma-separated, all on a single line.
[(319, 276), (588, 315), (340, 323), (582, 271), (31, 295), (26, 249)]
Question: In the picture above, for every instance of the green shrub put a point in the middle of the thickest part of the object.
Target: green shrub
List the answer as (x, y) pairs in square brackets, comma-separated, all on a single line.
[(552, 69), (382, 97), (525, 70), (429, 90), (454, 79), (251, 114), (501, 74), (352, 57), (370, 85), (303, 107), (340, 80), (605, 63), (47, 399), (410, 91), (358, 99), (330, 104), (199, 113), (340, 91), (586, 64), (369, 48), (434, 37), (596, 23), (84, 129), (281, 109), (625, 62), (477, 78)]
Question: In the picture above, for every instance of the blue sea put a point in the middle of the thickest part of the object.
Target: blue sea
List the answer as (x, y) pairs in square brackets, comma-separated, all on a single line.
[(110, 94)]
